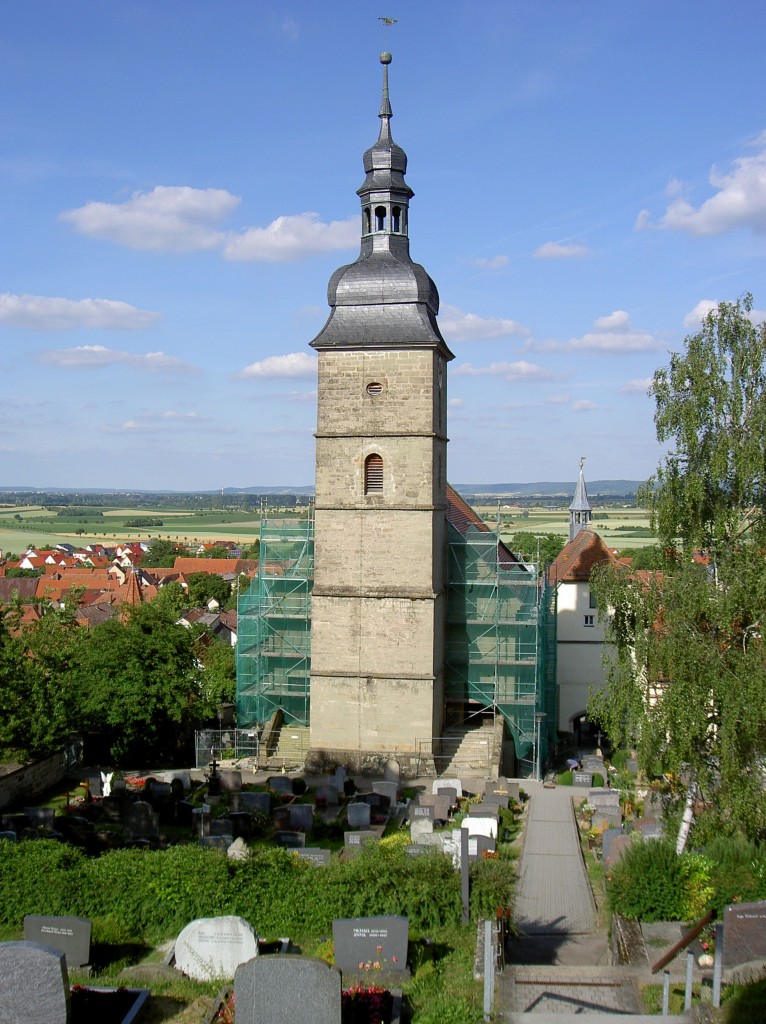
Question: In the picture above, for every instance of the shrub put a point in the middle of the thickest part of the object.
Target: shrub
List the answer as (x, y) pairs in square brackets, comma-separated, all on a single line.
[(739, 873), (598, 780), (564, 778), (652, 883), (492, 886)]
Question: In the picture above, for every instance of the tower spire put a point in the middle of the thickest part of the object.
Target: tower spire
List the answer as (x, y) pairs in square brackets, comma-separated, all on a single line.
[(580, 512)]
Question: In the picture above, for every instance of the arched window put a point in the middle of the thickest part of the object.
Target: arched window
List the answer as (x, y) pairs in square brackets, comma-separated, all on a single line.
[(367, 221), (380, 218), (396, 219), (373, 474)]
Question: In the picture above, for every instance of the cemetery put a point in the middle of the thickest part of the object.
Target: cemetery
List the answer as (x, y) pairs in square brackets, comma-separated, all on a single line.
[(185, 886)]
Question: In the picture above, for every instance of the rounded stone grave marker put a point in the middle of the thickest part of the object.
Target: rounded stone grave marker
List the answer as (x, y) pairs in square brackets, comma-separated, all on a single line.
[(211, 948)]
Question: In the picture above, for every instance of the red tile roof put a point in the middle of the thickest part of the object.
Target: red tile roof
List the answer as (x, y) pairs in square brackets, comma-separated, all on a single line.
[(574, 562)]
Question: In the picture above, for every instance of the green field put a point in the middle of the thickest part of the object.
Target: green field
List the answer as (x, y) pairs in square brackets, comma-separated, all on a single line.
[(619, 526)]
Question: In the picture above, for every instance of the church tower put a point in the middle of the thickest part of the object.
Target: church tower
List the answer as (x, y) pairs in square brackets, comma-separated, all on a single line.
[(380, 565), (580, 512)]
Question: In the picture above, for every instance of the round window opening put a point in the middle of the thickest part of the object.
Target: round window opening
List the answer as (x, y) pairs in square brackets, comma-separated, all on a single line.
[(375, 388)]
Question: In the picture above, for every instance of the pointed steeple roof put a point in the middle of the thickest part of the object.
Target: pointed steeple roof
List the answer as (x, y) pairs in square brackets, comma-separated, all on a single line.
[(580, 512), (384, 299)]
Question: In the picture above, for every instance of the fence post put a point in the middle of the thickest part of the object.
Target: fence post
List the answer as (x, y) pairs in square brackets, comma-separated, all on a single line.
[(718, 965), (689, 971), (666, 993), (489, 970)]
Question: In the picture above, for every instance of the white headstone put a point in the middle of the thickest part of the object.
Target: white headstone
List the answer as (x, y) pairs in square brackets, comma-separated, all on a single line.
[(480, 826), (211, 948), (438, 784)]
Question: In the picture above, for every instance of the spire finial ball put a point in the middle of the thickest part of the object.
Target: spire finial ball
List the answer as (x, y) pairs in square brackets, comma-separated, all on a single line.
[(385, 57)]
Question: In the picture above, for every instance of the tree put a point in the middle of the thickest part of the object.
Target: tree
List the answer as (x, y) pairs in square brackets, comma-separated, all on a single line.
[(219, 672), (711, 404), (533, 546), (161, 554), (204, 586), (687, 685)]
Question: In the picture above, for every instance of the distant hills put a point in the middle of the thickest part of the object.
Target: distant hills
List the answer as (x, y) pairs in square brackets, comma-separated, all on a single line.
[(541, 489)]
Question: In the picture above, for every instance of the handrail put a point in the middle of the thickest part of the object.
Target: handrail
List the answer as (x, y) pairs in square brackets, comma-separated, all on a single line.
[(684, 941)]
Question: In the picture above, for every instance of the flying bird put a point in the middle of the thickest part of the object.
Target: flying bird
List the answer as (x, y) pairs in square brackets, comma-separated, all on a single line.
[(388, 21)]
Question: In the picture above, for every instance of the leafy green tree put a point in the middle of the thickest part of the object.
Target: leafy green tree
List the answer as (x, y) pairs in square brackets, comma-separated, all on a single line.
[(219, 672), (687, 684), (171, 600), (161, 554), (204, 586), (140, 685), (534, 547)]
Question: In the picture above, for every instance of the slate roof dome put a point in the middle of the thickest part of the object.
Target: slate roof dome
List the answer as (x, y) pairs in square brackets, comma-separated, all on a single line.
[(383, 299)]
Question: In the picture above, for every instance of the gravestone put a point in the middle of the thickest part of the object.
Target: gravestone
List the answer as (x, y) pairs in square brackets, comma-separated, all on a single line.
[(40, 817), (281, 784), (221, 827), (601, 798), (211, 948), (140, 821), (68, 935), (241, 824), (582, 778), (280, 817), (421, 827), (607, 838), (8, 837), (314, 855), (608, 817), (653, 805), (495, 800), (744, 933), (483, 810), (238, 850), (221, 843), (94, 784), (392, 771), (426, 811), (329, 794), (287, 990), (448, 793), (255, 803), (379, 805), (455, 784), (301, 817), (160, 791), (631, 765), (617, 848), (481, 826), (290, 840), (358, 941), (340, 778), (35, 984), (389, 789), (231, 781), (183, 775), (649, 829), (478, 845), (353, 841), (358, 815)]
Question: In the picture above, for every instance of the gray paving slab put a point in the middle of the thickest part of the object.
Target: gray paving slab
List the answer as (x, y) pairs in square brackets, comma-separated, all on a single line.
[(553, 894)]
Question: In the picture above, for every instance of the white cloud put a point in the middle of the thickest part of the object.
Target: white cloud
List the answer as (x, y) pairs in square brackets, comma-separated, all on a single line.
[(637, 387), (156, 422), (583, 405), (695, 316), (99, 356), (459, 326), (44, 313), (738, 202), (495, 263), (175, 218), (455, 403), (561, 251), (520, 370), (294, 364), (612, 333), (291, 237), (557, 399)]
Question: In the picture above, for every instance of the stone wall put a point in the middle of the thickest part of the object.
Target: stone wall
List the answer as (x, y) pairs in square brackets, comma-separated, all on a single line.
[(24, 784)]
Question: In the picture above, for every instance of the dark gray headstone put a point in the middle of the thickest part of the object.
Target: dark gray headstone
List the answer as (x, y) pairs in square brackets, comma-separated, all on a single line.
[(744, 933), (495, 800), (582, 778), (241, 824), (601, 798), (315, 855), (231, 781), (649, 829), (255, 803), (212, 948), (94, 783), (290, 840), (329, 794), (340, 778), (421, 811), (607, 818), (479, 845), (141, 821), (371, 940), (287, 990), (631, 765), (68, 935), (607, 838), (221, 843), (389, 789), (379, 805), (301, 817), (281, 784), (221, 827), (119, 787), (483, 810), (161, 791), (653, 805), (617, 848), (201, 821), (41, 817), (35, 984), (358, 815)]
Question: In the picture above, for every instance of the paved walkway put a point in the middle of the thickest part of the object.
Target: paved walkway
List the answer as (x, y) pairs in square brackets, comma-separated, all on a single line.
[(559, 964)]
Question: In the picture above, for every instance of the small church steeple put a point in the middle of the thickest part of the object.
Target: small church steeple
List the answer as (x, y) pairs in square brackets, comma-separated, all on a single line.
[(580, 513)]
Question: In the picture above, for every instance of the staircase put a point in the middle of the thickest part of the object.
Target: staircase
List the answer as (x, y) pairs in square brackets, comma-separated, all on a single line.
[(291, 749), (468, 749)]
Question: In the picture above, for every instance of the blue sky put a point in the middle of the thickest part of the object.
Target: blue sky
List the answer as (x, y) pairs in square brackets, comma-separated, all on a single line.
[(177, 184)]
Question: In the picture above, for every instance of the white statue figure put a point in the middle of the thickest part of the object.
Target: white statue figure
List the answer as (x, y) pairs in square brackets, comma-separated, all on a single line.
[(106, 783)]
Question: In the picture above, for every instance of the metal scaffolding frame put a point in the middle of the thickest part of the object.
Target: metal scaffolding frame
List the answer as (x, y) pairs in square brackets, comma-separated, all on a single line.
[(500, 649), (274, 622)]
